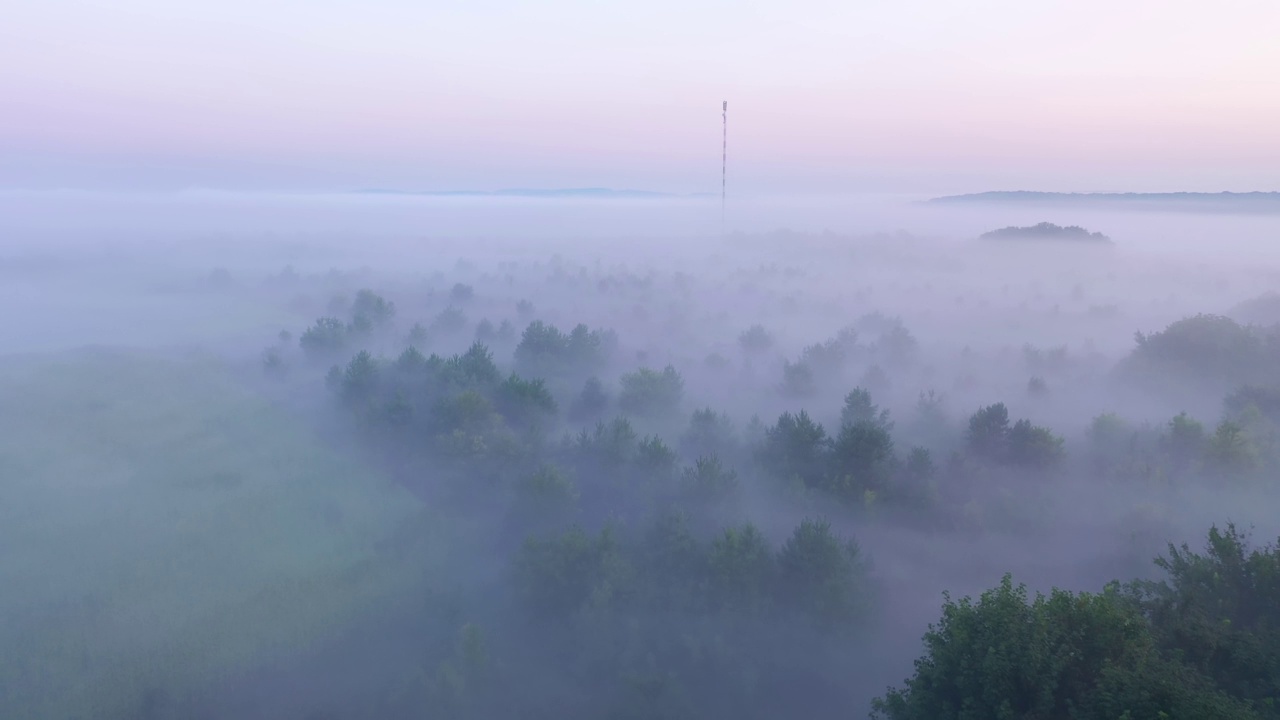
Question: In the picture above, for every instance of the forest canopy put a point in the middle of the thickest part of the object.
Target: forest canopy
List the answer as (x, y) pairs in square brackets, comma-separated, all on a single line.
[(634, 565), (579, 489), (1046, 231)]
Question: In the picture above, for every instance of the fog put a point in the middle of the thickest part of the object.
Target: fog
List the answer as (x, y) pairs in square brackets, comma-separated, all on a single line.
[(214, 506)]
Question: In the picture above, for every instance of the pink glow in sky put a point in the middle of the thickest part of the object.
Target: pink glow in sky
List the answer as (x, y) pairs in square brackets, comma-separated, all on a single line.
[(824, 94)]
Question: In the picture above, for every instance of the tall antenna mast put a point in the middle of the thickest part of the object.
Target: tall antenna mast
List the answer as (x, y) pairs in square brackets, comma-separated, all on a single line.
[(724, 158)]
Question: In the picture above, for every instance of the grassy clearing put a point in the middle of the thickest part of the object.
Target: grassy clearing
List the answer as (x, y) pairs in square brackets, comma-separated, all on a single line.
[(54, 318), (160, 525)]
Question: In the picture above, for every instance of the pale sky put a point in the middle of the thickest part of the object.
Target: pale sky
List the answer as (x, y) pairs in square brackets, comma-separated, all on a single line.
[(824, 95)]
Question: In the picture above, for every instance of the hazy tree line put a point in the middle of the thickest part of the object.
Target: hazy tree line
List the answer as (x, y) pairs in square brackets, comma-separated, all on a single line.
[(634, 583)]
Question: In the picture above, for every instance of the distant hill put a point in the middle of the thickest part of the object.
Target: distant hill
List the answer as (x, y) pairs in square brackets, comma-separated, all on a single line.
[(1047, 231), (536, 193), (1261, 310), (1250, 202)]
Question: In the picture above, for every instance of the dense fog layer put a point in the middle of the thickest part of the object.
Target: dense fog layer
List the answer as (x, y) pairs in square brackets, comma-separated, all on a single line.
[(593, 458)]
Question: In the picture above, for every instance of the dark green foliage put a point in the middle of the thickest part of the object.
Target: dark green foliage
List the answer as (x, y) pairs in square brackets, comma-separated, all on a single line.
[(1048, 231), (1037, 387), (858, 407), (525, 404), (821, 576), (608, 446), (672, 566), (893, 344), (1202, 643), (450, 321), (930, 423), (540, 340), (862, 455), (717, 362), (592, 403), (468, 412), (1185, 441), (1034, 447), (795, 447), (741, 570), (1265, 400), (371, 311), (825, 360), (646, 591), (474, 369), (1207, 349), (418, 335), (708, 483), (1141, 453), (1256, 411), (709, 433), (558, 576), (544, 500), (411, 361), (655, 460), (649, 393), (360, 379), (461, 293), (457, 689), (1023, 445), (327, 337), (815, 574), (988, 435), (1229, 451), (1261, 310), (755, 340), (590, 347), (1107, 434), (1220, 613), (897, 345), (915, 485), (546, 352), (875, 323), (506, 332), (664, 622), (360, 326), (1110, 443), (550, 486), (395, 412), (876, 379), (272, 363), (1085, 656), (797, 380)]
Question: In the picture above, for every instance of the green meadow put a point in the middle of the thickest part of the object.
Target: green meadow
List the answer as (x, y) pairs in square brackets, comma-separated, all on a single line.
[(162, 526)]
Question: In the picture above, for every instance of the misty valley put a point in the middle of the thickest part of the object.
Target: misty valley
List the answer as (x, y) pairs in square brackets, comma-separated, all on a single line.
[(910, 476)]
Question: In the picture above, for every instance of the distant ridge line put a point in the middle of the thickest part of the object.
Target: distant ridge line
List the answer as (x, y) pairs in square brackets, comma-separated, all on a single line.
[(536, 192), (1258, 201)]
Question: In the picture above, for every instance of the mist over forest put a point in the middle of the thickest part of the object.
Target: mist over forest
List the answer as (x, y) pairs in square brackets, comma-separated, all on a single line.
[(364, 457)]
